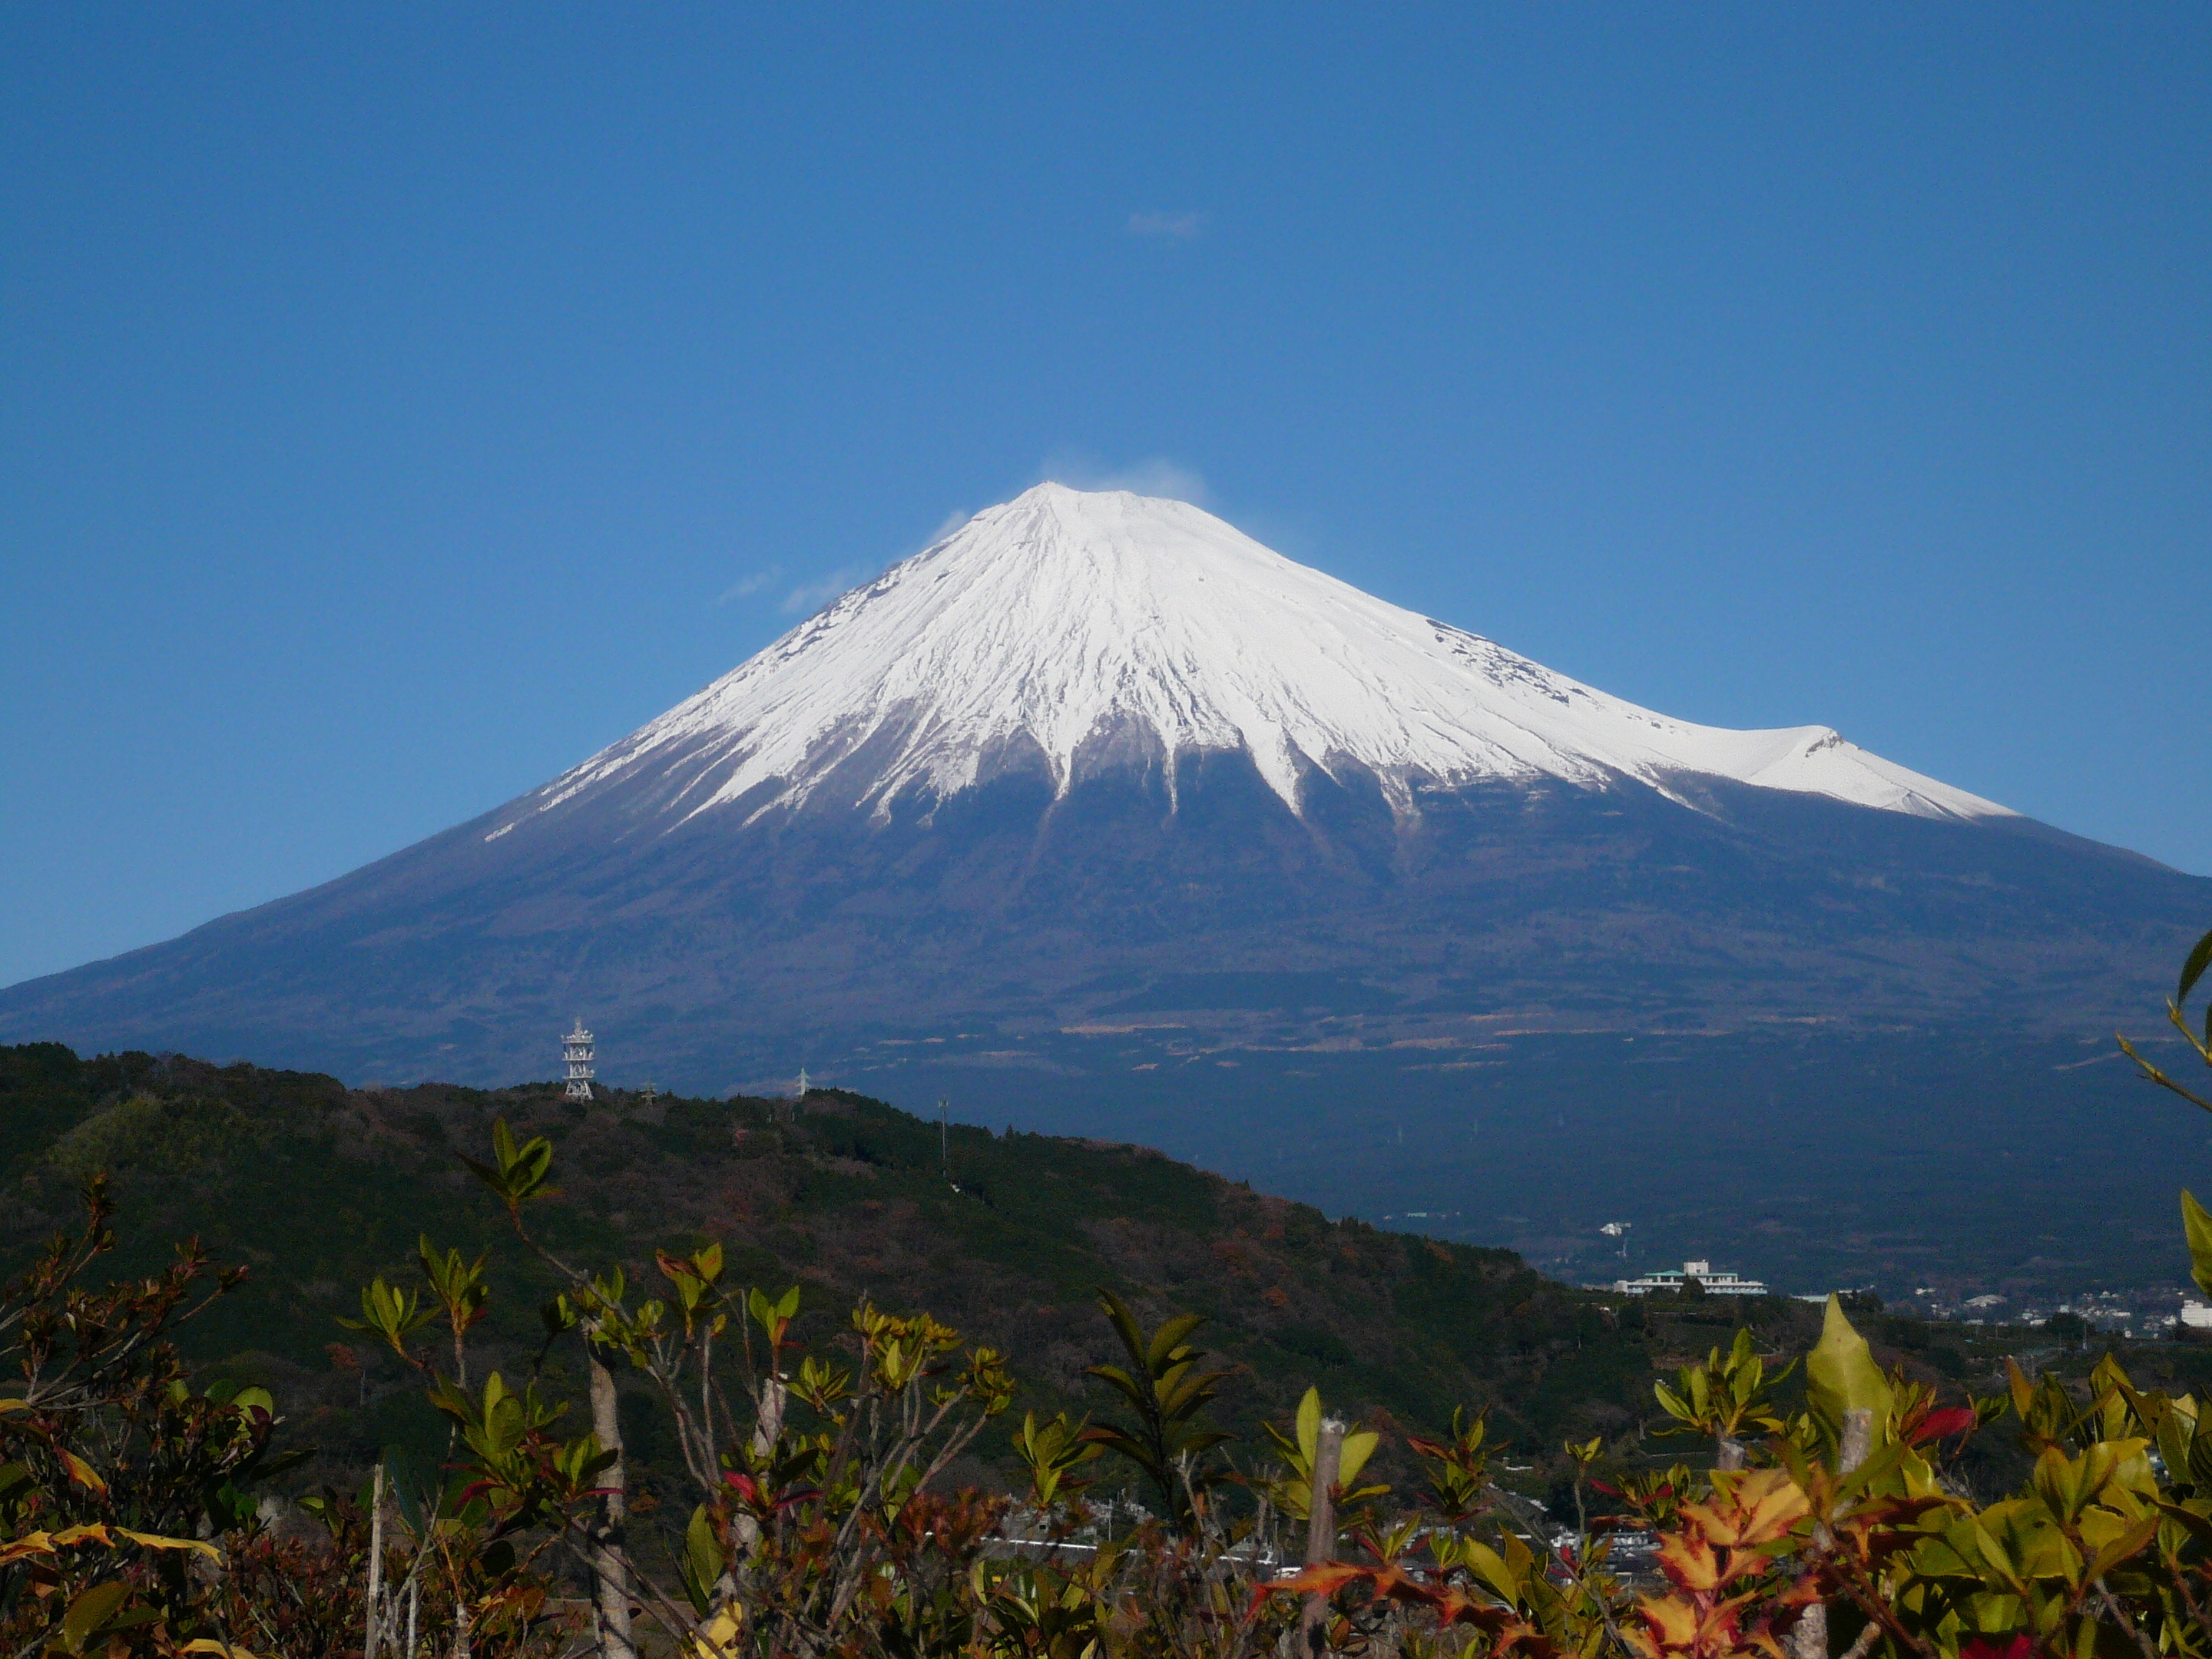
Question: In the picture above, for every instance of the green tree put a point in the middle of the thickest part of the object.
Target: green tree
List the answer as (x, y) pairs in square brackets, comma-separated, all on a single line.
[(1167, 1393)]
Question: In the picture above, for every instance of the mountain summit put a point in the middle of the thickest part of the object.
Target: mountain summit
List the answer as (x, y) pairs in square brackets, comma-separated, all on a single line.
[(1067, 633), (1097, 769)]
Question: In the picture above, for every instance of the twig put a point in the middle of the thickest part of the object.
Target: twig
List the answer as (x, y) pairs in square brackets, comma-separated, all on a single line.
[(2118, 1615)]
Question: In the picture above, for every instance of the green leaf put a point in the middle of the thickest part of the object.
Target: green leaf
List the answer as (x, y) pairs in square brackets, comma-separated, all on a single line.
[(89, 1612), (1357, 1448), (1487, 1566), (701, 1564), (2198, 1527), (2193, 970), (1993, 1554), (1841, 1375), (2128, 1545), (1169, 1339), (2196, 1223), (558, 1315)]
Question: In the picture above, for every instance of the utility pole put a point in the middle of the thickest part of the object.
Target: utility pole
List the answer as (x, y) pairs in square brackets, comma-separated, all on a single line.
[(944, 1145)]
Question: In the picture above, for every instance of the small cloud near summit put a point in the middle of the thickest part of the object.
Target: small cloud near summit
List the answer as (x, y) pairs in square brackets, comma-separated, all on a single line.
[(1155, 474), (1179, 227), (808, 597), (746, 586), (953, 520)]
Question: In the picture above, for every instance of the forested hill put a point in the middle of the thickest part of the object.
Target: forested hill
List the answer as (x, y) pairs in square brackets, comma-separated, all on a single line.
[(317, 1188)]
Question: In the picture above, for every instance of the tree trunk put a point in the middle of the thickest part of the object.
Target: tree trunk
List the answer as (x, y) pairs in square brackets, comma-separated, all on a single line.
[(369, 1637), (610, 1581), (1808, 1637), (765, 1432), (1320, 1528), (1857, 1443)]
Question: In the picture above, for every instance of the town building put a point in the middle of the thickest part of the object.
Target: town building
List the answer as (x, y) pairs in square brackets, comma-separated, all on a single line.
[(1670, 1279)]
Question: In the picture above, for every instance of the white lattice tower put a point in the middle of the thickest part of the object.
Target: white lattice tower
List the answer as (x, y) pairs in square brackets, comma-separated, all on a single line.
[(576, 1049)]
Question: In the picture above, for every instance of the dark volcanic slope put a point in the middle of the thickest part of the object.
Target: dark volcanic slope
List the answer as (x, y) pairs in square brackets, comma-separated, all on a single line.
[(1097, 759), (713, 952)]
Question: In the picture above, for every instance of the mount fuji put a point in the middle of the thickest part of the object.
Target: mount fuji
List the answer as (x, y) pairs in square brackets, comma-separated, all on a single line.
[(1065, 635), (1096, 794)]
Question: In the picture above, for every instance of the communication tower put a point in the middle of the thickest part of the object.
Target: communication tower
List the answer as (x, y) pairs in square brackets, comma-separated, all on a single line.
[(576, 1049)]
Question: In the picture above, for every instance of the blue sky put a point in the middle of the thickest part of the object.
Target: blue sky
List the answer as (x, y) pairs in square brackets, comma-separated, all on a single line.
[(397, 403)]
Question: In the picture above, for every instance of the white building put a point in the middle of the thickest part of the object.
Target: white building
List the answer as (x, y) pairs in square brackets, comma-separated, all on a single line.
[(1670, 1278)]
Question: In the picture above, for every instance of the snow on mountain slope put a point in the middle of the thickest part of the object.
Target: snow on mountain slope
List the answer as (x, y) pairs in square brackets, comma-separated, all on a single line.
[(1069, 631)]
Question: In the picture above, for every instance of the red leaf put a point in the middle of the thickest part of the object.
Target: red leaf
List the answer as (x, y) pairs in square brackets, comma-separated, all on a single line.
[(1941, 1425)]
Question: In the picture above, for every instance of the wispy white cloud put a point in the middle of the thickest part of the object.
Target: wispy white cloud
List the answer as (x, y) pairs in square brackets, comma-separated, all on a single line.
[(1155, 475), (808, 597), (1179, 227), (755, 582), (953, 520)]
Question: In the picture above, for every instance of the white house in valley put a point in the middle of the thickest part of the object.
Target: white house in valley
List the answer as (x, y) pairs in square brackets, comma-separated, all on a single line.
[(1670, 1278)]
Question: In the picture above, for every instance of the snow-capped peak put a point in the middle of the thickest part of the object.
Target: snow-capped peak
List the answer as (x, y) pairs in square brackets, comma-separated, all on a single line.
[(1076, 630)]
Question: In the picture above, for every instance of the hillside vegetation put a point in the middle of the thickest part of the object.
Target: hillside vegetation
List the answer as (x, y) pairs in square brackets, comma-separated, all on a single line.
[(863, 1480), (317, 1188)]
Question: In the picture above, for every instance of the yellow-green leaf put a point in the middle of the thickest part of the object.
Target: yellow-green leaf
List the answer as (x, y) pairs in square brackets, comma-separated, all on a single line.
[(82, 1473), (154, 1540), (1841, 1375), (2196, 1223), (1357, 1448)]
